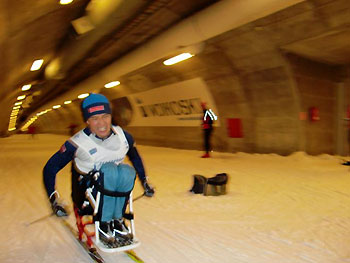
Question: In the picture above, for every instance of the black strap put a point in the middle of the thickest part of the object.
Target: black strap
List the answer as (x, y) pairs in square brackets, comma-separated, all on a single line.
[(129, 216), (99, 187), (110, 193)]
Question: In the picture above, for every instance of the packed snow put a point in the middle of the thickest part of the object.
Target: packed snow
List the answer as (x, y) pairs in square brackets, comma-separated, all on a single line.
[(278, 209)]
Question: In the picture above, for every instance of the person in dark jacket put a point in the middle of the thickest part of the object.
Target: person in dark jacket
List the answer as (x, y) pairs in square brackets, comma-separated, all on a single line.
[(100, 147), (207, 126)]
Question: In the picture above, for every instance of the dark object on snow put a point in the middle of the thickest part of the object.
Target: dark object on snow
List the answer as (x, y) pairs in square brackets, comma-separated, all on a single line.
[(199, 181), (210, 186)]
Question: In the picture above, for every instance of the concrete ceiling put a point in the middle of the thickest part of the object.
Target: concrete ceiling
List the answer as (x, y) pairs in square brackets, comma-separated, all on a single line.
[(331, 48), (45, 29), (34, 29)]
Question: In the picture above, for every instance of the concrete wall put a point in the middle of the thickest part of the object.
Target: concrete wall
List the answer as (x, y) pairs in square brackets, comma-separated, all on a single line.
[(344, 114), (252, 75), (317, 87)]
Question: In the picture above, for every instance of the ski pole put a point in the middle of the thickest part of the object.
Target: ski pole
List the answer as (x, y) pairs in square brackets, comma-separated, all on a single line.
[(138, 197), (49, 215), (39, 219)]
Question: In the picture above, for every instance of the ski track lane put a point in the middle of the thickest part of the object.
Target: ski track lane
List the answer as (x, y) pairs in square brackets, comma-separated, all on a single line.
[(292, 209)]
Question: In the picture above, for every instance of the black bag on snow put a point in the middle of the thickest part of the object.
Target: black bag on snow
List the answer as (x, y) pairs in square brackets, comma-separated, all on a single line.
[(199, 182), (210, 186)]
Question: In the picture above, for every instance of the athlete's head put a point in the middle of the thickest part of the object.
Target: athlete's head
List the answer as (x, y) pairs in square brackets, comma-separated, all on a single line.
[(97, 114)]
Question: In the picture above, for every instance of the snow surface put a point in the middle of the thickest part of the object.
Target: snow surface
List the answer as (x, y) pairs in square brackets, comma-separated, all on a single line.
[(278, 209)]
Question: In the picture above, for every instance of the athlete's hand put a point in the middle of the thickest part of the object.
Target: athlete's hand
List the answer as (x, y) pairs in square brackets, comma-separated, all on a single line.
[(149, 190), (56, 206)]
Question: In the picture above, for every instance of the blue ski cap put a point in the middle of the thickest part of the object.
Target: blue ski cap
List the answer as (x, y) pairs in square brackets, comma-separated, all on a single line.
[(95, 104)]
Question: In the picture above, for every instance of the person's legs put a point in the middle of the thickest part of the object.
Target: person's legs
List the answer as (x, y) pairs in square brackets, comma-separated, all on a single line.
[(206, 140), (207, 133), (121, 179), (116, 178), (126, 182)]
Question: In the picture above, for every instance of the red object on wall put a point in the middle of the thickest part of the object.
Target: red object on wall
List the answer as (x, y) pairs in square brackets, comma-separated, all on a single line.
[(314, 114), (348, 115), (234, 128)]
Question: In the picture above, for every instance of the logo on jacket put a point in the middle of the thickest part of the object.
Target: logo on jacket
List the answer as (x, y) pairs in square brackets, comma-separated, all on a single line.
[(93, 151), (63, 149)]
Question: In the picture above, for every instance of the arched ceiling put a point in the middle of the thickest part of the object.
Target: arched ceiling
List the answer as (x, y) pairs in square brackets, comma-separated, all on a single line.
[(79, 39), (46, 30)]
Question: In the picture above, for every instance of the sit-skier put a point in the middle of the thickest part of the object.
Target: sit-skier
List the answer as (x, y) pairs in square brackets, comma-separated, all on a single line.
[(99, 147)]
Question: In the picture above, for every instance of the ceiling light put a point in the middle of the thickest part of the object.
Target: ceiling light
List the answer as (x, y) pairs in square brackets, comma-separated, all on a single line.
[(37, 64), (16, 107), (41, 113), (65, 2), (56, 106), (67, 102), (177, 59), (12, 129), (82, 96), (21, 97), (112, 84), (18, 103), (26, 87)]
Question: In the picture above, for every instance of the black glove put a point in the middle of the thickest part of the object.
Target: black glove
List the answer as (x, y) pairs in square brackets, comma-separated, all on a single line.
[(149, 191), (57, 208)]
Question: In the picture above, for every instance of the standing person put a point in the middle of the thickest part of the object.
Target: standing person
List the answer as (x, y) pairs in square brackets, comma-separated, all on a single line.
[(348, 132), (100, 147), (207, 126), (31, 131)]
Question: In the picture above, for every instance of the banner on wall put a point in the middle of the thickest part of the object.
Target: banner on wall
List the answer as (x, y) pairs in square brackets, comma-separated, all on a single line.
[(178, 104)]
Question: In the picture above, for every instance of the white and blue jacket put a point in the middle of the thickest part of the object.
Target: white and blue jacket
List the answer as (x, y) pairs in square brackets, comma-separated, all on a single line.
[(88, 152)]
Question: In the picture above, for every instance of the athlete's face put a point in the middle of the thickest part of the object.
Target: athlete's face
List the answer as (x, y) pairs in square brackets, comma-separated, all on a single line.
[(100, 124)]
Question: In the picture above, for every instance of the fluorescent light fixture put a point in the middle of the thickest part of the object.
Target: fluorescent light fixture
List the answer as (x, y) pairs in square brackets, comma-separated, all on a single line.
[(12, 129), (18, 103), (37, 65), (84, 95), (178, 58), (112, 84), (56, 107), (16, 107), (41, 113), (65, 2), (67, 102), (21, 97), (26, 87)]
